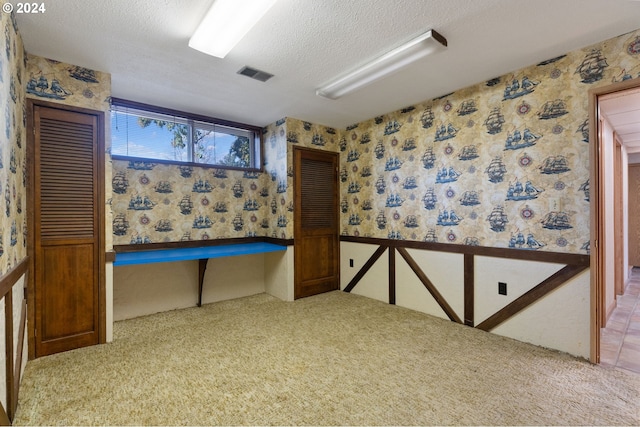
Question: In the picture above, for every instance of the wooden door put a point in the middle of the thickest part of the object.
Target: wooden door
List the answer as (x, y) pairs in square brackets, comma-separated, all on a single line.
[(68, 227), (634, 218), (316, 229)]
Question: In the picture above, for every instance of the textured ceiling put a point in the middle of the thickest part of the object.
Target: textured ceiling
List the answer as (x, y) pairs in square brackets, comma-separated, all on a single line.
[(143, 44)]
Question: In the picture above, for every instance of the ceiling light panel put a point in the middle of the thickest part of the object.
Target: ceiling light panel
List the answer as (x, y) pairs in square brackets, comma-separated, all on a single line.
[(384, 65), (226, 23)]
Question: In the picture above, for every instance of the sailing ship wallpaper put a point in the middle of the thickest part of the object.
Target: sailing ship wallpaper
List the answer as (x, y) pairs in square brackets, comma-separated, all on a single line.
[(155, 202), (12, 148), (489, 161), (62, 83), (56, 81), (13, 222), (498, 154)]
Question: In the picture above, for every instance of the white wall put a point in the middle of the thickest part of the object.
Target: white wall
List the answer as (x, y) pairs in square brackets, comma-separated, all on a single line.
[(278, 274), (608, 151), (519, 275), (109, 301), (560, 320), (446, 272), (377, 278), (140, 290)]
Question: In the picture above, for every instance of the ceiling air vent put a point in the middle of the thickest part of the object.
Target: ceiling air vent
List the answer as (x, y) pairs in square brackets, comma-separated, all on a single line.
[(255, 74)]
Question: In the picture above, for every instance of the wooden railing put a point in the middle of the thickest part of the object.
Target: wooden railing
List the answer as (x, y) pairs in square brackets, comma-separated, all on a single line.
[(13, 356), (574, 264)]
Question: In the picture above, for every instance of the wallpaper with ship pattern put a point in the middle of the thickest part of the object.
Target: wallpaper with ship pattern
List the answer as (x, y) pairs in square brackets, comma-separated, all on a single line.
[(504, 163), (68, 84), (13, 225), (154, 202), (56, 81)]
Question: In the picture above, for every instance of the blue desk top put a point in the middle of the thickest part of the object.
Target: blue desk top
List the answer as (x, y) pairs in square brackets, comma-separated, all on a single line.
[(184, 254)]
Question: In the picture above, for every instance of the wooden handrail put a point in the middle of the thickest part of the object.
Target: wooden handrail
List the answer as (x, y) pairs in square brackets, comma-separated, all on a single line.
[(10, 278), (522, 254), (13, 367)]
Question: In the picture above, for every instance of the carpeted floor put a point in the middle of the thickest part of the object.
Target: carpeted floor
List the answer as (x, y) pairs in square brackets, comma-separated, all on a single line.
[(332, 359)]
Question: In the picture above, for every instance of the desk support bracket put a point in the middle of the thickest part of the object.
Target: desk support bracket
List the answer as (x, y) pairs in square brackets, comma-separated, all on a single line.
[(202, 267)]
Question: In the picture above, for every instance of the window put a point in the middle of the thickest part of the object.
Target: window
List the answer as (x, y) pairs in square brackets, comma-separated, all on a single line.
[(152, 133)]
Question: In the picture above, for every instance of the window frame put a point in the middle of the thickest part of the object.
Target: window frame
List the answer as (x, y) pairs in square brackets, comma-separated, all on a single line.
[(256, 147)]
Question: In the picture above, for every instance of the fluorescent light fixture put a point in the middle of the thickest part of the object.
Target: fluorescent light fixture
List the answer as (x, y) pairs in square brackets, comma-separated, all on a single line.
[(226, 23), (382, 66)]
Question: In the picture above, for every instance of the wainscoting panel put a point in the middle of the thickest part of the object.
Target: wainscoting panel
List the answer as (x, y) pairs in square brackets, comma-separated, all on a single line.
[(444, 271), (547, 301), (374, 283), (520, 276)]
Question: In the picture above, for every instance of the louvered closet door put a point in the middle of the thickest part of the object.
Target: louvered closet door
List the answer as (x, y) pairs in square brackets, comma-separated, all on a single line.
[(67, 231), (316, 222)]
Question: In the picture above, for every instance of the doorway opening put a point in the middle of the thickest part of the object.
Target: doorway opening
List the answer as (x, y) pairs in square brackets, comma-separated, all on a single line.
[(612, 109)]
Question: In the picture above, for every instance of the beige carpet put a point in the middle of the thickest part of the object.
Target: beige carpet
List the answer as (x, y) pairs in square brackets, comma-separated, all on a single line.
[(332, 359)]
